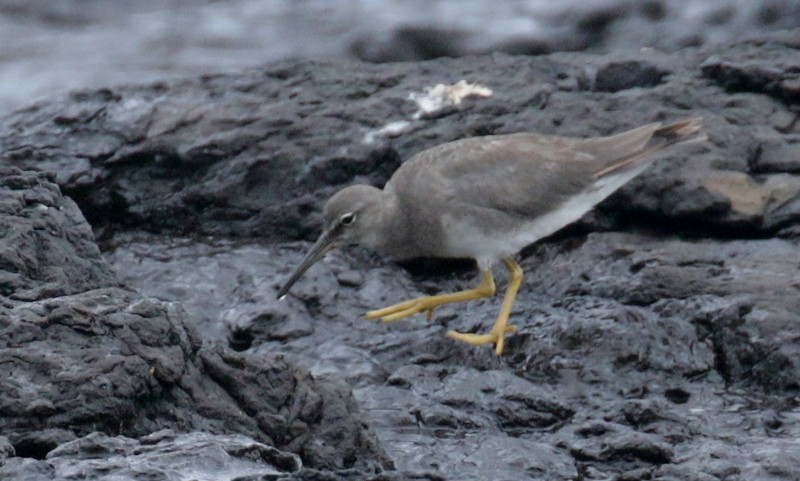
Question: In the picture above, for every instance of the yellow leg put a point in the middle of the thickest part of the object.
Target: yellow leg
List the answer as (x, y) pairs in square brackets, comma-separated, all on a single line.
[(497, 335), (426, 304)]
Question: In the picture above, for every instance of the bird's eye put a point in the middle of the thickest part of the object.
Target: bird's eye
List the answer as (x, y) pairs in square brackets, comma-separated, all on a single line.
[(348, 218)]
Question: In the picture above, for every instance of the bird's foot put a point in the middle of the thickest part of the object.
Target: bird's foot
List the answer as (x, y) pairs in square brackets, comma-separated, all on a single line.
[(428, 303), (406, 309), (496, 336), (501, 327)]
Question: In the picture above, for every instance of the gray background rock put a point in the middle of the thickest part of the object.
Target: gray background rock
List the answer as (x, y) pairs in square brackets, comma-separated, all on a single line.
[(51, 47)]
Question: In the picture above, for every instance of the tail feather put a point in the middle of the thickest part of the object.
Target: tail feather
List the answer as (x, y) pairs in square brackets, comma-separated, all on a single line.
[(687, 131)]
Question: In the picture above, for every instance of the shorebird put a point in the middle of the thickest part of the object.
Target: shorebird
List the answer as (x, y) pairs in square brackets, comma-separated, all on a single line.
[(486, 198)]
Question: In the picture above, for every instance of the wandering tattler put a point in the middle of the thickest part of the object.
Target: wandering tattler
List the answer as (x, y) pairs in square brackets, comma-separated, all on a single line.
[(486, 198)]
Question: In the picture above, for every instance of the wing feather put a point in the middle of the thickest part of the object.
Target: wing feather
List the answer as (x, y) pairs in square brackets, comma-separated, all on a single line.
[(521, 175)]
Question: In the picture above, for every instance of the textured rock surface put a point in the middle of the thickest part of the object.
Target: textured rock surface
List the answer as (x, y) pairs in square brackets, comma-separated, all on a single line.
[(49, 249), (83, 355), (663, 347), (161, 455)]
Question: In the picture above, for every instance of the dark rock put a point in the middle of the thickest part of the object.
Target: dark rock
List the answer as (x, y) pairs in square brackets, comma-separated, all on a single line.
[(312, 421), (411, 43), (757, 67), (614, 443), (668, 348), (6, 450), (36, 444), (677, 395), (161, 455), (626, 75), (103, 358), (49, 250), (744, 315), (774, 156), (28, 469)]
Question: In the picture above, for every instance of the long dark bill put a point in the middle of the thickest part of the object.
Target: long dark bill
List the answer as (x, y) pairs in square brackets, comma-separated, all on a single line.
[(326, 242)]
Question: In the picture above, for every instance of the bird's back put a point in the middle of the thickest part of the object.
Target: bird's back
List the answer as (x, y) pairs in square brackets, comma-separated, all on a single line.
[(526, 173), (503, 181)]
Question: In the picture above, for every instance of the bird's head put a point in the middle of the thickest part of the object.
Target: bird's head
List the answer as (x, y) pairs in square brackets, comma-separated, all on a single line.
[(349, 217)]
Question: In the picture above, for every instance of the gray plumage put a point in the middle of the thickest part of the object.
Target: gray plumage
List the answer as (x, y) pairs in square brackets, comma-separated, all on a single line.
[(488, 197)]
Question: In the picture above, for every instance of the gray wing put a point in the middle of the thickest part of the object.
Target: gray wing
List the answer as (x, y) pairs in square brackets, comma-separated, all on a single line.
[(521, 175)]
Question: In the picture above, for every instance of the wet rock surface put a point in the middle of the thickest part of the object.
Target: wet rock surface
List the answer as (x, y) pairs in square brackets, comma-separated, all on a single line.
[(84, 356), (664, 346), (161, 455)]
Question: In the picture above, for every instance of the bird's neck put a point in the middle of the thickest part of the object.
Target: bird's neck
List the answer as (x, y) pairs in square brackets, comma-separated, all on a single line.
[(388, 231)]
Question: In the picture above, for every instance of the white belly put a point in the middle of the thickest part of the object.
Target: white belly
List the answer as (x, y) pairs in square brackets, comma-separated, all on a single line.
[(466, 239)]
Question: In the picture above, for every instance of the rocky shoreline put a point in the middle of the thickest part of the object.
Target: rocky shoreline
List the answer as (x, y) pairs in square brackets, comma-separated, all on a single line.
[(659, 336)]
